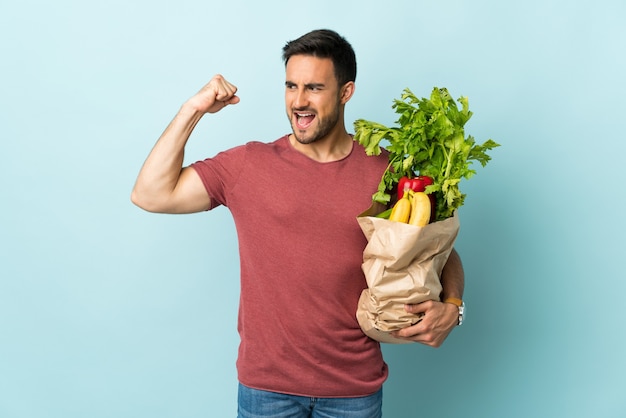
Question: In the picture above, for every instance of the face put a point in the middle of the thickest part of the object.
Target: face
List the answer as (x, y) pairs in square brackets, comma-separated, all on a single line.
[(313, 98)]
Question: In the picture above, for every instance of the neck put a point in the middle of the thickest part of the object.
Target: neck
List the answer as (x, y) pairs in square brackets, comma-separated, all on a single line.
[(331, 148)]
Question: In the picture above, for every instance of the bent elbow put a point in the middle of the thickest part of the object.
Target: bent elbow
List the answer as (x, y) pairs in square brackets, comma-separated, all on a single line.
[(135, 199), (172, 202), (141, 202)]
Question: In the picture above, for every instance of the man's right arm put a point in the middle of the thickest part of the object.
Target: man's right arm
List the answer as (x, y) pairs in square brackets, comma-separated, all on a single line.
[(163, 185)]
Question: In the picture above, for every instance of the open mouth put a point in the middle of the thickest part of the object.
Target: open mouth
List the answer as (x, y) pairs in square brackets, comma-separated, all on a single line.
[(304, 120)]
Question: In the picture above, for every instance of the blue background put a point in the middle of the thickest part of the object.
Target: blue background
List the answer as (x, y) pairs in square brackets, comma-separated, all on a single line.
[(108, 311)]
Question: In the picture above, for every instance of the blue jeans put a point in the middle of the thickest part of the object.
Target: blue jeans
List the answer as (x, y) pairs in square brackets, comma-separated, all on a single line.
[(254, 403)]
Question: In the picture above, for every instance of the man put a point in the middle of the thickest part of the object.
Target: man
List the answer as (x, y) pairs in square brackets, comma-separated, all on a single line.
[(294, 202)]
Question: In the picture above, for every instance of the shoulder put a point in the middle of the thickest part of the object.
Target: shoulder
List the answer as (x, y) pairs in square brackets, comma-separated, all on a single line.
[(249, 149), (277, 145)]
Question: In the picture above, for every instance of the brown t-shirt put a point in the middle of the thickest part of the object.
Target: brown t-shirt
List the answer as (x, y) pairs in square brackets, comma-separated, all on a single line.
[(301, 251)]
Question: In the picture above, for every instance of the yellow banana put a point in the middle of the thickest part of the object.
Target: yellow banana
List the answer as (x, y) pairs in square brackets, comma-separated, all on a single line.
[(420, 209), (401, 210)]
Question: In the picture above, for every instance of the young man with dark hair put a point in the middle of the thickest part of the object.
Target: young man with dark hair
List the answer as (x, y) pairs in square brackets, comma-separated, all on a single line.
[(294, 202)]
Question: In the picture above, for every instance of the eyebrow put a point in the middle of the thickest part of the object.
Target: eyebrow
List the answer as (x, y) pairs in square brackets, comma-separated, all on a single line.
[(308, 85)]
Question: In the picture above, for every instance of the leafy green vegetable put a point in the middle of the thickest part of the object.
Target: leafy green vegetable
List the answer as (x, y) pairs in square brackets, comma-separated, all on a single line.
[(429, 141)]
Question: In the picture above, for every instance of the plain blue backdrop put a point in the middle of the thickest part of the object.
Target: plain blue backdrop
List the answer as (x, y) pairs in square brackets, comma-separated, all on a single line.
[(109, 311)]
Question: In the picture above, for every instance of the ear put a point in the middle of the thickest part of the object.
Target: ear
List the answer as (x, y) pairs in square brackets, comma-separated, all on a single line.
[(347, 91)]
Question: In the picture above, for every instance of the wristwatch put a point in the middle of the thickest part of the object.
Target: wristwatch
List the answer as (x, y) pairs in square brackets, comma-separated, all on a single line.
[(460, 304)]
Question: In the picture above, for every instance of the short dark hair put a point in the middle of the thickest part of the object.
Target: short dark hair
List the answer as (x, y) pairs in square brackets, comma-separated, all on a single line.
[(325, 43)]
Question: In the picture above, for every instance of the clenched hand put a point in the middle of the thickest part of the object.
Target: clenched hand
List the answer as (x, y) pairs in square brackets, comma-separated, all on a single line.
[(214, 96)]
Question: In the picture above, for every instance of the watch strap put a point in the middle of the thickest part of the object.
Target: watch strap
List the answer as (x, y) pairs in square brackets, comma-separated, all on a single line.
[(455, 301), (459, 304)]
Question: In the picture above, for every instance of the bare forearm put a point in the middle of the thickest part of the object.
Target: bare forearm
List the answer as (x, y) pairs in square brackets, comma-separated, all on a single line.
[(163, 185), (161, 171), (453, 277)]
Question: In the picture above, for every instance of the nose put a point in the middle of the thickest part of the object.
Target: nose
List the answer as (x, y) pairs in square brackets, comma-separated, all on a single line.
[(301, 99)]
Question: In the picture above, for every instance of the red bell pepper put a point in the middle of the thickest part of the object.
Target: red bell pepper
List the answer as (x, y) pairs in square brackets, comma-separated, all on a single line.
[(418, 184)]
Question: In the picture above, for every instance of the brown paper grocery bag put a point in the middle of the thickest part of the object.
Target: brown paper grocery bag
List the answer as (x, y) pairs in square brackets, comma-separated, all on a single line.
[(402, 265)]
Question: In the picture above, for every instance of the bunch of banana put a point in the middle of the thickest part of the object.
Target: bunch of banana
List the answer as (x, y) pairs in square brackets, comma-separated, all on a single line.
[(413, 208)]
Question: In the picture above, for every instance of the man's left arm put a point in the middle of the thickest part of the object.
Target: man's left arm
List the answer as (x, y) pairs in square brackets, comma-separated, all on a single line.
[(439, 317)]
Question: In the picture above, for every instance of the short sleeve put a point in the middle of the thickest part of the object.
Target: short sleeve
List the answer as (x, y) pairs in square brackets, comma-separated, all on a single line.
[(220, 174)]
